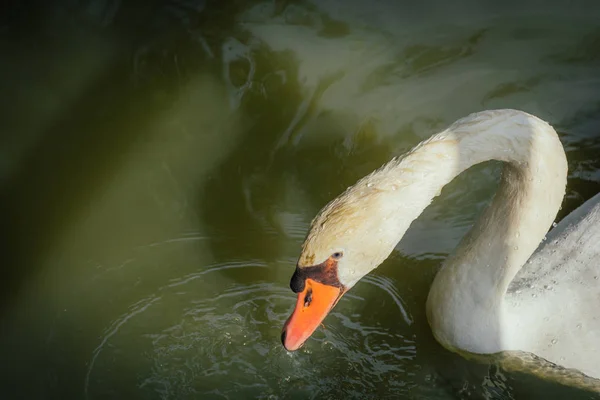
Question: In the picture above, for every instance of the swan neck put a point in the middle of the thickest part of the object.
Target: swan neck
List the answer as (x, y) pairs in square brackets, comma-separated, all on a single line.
[(469, 289)]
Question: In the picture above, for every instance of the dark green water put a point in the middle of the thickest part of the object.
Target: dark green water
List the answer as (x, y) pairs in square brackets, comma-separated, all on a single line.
[(160, 163)]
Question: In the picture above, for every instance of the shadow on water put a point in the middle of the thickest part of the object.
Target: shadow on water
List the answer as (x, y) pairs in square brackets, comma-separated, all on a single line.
[(91, 93), (45, 188), (79, 100)]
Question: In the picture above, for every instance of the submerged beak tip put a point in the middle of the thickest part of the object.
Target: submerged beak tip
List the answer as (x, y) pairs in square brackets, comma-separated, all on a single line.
[(312, 305), (288, 344)]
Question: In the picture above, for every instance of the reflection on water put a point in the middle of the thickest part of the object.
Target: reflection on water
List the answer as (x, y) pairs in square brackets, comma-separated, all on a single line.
[(161, 162)]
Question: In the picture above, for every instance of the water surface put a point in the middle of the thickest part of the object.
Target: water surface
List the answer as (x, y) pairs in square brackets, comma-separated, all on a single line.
[(160, 164)]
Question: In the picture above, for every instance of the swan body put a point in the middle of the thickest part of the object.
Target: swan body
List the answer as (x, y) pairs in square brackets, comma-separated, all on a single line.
[(493, 294), (552, 304)]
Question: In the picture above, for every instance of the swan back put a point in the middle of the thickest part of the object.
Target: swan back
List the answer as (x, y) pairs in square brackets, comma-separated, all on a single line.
[(552, 305)]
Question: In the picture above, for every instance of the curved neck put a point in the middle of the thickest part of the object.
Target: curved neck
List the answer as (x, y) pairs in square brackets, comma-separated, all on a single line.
[(468, 291)]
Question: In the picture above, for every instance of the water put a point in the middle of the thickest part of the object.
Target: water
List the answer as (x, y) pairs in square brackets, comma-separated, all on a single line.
[(160, 164)]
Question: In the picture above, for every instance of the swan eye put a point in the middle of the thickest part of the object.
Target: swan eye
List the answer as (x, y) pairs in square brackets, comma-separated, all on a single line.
[(308, 298), (337, 255)]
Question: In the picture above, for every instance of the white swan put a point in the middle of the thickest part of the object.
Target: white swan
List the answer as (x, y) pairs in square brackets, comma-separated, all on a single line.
[(481, 301)]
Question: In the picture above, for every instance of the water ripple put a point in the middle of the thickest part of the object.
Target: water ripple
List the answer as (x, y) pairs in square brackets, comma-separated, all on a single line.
[(220, 339), (387, 285)]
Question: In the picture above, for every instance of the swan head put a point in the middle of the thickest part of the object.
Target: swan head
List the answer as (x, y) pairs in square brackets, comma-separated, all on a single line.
[(349, 237)]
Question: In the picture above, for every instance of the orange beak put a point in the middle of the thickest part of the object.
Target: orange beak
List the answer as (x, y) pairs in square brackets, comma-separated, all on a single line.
[(313, 305)]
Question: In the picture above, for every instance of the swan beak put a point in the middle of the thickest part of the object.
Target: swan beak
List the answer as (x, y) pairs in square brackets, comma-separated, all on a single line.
[(312, 306)]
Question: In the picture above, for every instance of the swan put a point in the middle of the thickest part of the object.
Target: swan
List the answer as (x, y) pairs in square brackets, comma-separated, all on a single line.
[(482, 301)]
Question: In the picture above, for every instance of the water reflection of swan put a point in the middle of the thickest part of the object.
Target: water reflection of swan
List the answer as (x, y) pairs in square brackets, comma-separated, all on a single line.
[(481, 301)]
